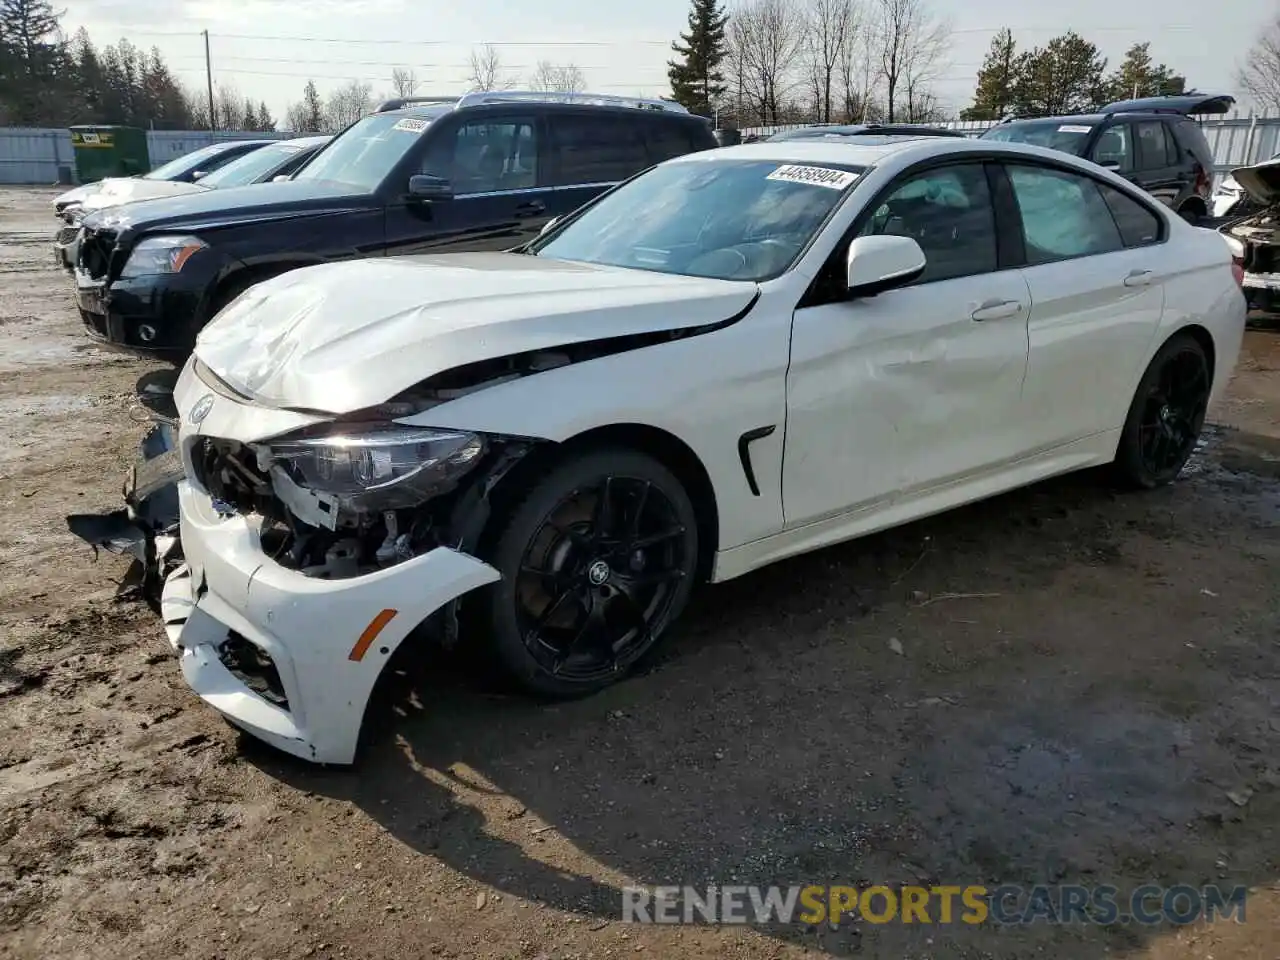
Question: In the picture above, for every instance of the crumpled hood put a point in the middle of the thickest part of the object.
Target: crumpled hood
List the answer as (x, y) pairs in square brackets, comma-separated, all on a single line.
[(77, 195), (117, 190), (1260, 181), (341, 337)]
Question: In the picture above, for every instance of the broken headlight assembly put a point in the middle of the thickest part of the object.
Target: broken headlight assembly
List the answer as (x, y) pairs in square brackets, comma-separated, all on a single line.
[(386, 468)]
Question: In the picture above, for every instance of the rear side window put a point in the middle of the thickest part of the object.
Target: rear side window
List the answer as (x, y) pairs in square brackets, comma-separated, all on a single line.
[(1153, 152), (1170, 147), (597, 149), (1139, 227), (1191, 139), (1063, 215), (667, 139)]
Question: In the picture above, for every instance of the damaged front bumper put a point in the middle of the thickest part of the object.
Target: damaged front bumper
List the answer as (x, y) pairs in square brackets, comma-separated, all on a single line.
[(289, 654), (290, 658)]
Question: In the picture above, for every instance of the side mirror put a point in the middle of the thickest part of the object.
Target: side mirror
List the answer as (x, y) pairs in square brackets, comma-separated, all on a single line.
[(880, 263), (423, 186), (199, 175), (546, 227), (1112, 165), (280, 178)]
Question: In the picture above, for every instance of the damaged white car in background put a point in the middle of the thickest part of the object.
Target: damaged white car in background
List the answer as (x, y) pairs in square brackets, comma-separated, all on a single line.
[(740, 355), (1254, 239)]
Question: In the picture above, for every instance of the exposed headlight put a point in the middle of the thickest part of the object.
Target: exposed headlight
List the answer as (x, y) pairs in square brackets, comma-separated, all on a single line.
[(73, 214), (161, 255), (385, 468)]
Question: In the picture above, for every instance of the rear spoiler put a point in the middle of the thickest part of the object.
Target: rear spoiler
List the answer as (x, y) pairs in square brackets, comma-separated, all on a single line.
[(1191, 104)]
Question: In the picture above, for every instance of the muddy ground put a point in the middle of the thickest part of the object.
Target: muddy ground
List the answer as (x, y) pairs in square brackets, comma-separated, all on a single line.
[(1063, 685)]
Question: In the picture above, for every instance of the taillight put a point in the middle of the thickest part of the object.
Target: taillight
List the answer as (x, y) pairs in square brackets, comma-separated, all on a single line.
[(1237, 271), (1202, 181)]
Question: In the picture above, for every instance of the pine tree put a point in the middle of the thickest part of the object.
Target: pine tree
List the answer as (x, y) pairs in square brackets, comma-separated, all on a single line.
[(266, 122), (997, 80), (250, 118), (32, 60), (1140, 76), (313, 108), (696, 79), (1062, 78)]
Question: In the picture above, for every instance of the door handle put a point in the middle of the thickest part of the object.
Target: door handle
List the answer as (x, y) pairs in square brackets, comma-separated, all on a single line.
[(531, 209), (997, 310), (1138, 278)]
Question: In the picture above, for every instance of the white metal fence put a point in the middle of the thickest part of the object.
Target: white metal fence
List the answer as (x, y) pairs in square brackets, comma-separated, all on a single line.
[(43, 155)]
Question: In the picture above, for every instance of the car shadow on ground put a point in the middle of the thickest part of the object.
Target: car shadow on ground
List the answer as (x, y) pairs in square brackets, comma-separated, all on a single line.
[(1041, 688)]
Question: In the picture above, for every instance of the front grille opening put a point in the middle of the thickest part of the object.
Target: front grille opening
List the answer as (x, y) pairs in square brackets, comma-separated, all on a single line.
[(253, 667)]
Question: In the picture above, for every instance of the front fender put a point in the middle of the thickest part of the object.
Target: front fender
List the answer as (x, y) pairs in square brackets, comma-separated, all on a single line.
[(707, 391)]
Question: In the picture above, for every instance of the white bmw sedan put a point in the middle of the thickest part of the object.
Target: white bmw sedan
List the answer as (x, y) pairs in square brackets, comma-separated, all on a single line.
[(737, 356)]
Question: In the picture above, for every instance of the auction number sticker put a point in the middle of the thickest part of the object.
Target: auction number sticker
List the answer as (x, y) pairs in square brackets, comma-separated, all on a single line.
[(817, 176), (1073, 128), (411, 124)]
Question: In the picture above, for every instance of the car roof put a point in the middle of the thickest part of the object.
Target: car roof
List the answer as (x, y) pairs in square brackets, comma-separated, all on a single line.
[(307, 141), (1067, 118), (434, 111), (229, 144), (858, 152), (865, 130)]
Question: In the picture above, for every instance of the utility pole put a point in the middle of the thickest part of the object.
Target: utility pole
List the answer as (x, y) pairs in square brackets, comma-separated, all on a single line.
[(208, 76)]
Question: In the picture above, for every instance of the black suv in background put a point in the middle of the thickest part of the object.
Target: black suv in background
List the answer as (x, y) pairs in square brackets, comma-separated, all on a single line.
[(1152, 141), (485, 171)]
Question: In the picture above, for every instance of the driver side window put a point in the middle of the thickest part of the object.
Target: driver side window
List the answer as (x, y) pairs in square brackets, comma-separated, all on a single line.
[(948, 211), (1114, 148)]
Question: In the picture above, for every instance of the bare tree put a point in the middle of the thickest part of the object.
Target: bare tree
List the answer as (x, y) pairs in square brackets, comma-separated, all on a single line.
[(858, 76), (911, 43), (487, 72), (828, 29), (550, 77), (347, 104), (228, 107), (1260, 74), (765, 37), (404, 81)]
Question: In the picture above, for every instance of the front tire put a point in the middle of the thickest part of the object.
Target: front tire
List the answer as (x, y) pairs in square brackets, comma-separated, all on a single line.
[(1166, 415), (597, 561)]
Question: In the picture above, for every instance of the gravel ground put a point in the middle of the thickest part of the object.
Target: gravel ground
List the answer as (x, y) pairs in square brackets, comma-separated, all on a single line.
[(1061, 685)]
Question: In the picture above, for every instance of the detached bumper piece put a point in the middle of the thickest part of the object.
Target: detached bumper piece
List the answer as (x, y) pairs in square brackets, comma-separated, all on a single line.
[(146, 527)]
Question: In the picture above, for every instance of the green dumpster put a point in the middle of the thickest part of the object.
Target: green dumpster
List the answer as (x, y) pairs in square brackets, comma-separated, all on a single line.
[(103, 151)]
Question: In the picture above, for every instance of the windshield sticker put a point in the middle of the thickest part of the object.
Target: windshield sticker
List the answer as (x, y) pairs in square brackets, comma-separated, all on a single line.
[(411, 124), (817, 176), (1073, 128)]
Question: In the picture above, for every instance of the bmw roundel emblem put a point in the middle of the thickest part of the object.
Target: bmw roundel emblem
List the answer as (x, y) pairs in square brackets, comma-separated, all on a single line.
[(201, 408)]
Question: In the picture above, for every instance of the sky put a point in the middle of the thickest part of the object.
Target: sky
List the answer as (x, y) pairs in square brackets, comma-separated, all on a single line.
[(267, 49)]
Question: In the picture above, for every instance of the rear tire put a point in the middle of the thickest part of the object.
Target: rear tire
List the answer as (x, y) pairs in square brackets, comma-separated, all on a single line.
[(597, 561), (1166, 415)]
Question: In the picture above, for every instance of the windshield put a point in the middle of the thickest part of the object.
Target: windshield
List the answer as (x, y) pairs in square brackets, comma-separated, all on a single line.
[(186, 162), (251, 167), (723, 219), (367, 151), (1067, 135)]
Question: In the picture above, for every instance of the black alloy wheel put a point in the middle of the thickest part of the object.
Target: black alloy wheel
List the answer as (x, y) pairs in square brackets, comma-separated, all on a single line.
[(1167, 414), (597, 561)]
